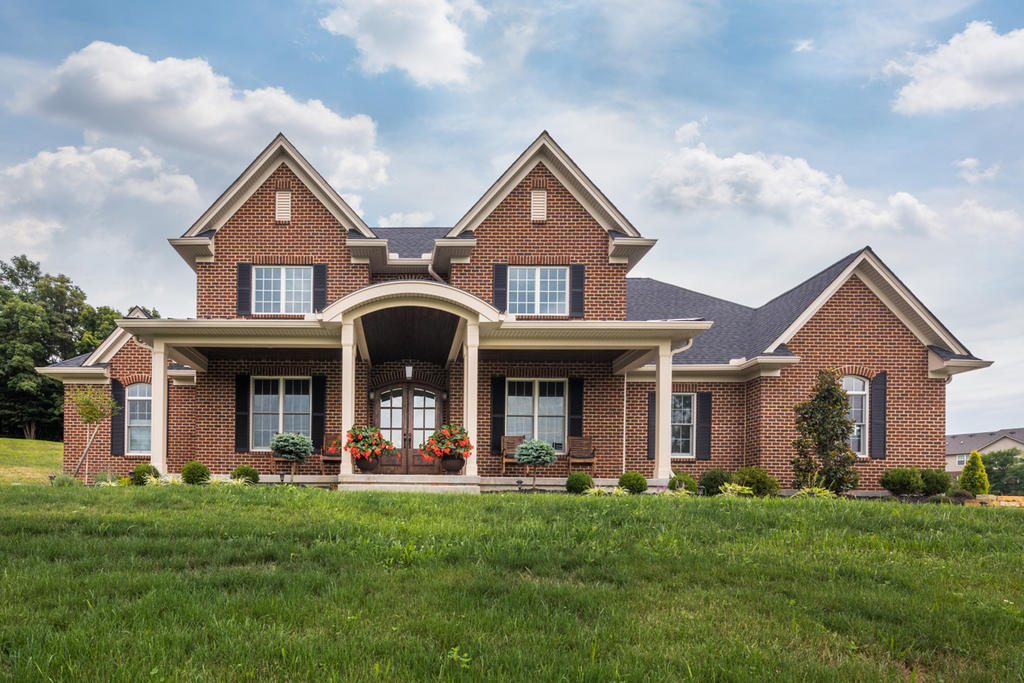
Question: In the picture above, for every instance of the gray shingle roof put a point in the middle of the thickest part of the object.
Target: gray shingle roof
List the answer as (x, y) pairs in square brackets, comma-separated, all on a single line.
[(738, 331), (965, 443), (946, 354), (75, 362)]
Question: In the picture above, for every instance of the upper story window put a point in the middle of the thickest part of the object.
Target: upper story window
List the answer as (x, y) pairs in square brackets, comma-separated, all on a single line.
[(682, 425), (279, 405), (536, 409), (139, 416), (857, 394), (538, 290), (282, 289)]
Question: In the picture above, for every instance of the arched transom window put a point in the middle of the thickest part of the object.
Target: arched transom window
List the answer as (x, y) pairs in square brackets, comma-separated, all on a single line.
[(857, 391)]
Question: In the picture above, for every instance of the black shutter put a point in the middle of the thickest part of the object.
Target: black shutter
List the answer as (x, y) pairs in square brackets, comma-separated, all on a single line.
[(497, 413), (703, 439), (117, 419), (319, 287), (316, 418), (243, 300), (500, 292), (652, 420), (575, 406), (241, 413), (876, 426), (577, 278)]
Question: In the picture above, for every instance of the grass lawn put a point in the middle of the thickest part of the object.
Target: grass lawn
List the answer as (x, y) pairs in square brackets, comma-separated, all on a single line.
[(227, 583), (29, 462)]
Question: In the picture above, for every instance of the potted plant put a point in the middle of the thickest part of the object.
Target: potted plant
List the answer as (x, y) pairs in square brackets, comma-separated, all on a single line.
[(450, 444), (295, 448), (367, 444)]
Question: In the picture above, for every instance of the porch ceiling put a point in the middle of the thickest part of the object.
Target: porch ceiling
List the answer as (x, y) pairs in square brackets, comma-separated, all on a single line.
[(551, 355), (409, 332)]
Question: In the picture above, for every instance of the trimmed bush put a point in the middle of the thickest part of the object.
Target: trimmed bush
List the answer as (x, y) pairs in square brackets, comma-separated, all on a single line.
[(295, 448), (712, 480), (634, 482), (901, 481), (684, 481), (246, 473), (974, 478), (65, 480), (142, 472), (935, 482), (195, 473), (578, 482), (757, 479), (535, 453)]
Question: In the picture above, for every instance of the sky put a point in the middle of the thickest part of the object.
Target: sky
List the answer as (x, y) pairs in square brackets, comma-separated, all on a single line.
[(758, 142)]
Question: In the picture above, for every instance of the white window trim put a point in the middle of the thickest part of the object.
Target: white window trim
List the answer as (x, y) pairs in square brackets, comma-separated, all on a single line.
[(692, 455), (284, 290), (536, 403), (965, 457), (127, 420), (280, 406), (865, 443), (536, 290)]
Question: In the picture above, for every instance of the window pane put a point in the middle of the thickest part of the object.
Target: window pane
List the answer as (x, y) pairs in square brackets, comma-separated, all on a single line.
[(264, 396), (138, 439), (264, 426), (554, 294), (139, 412), (520, 399), (519, 426), (851, 383), (552, 430), (298, 290), (296, 396), (551, 398), (296, 423), (139, 391), (267, 290), (522, 290), (682, 409)]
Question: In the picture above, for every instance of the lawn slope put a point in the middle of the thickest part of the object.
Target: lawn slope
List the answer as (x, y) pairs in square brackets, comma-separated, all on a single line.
[(29, 462), (228, 583)]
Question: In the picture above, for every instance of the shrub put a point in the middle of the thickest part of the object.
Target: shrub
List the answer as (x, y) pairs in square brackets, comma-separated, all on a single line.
[(683, 481), (901, 481), (535, 453), (736, 491), (823, 427), (578, 482), (974, 478), (195, 473), (712, 480), (814, 492), (935, 482), (758, 479), (295, 448), (142, 472), (105, 479), (596, 491), (673, 493), (960, 494), (633, 482), (619, 491), (246, 473), (65, 480)]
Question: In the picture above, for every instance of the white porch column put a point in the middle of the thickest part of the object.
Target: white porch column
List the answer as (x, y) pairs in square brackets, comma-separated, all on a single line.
[(663, 413), (471, 374), (348, 388), (158, 428)]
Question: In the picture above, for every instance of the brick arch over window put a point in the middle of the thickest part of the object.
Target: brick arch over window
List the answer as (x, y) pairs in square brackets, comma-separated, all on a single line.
[(136, 378), (858, 370)]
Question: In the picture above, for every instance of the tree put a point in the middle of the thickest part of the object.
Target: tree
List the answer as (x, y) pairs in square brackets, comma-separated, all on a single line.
[(822, 448), (974, 478), (998, 465), (295, 448), (93, 406), (27, 399), (96, 324), (535, 453)]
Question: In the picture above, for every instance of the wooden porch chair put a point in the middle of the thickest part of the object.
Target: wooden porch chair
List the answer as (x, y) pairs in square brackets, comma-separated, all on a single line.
[(326, 457), (509, 444), (580, 451)]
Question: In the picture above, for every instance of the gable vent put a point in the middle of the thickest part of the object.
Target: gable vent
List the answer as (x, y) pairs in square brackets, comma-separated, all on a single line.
[(283, 206), (539, 205)]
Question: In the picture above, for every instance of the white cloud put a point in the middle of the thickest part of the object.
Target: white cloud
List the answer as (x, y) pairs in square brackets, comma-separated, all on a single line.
[(970, 170), (412, 218), (976, 69), (982, 221), (28, 235), (183, 104), (420, 37), (803, 45), (688, 133)]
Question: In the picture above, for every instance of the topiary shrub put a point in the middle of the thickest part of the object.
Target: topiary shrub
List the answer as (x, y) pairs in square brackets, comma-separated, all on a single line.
[(935, 482), (683, 481), (195, 473), (246, 474), (578, 482), (295, 448), (713, 479), (634, 482), (901, 481), (65, 480), (757, 479), (142, 472), (974, 478), (535, 453)]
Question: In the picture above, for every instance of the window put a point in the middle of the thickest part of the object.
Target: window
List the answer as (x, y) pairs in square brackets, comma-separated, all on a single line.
[(279, 404), (961, 459), (282, 289), (539, 206), (857, 394), (535, 408), (682, 425), (139, 412), (538, 290)]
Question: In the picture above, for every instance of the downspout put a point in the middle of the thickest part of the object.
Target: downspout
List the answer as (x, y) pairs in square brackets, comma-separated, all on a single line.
[(433, 274)]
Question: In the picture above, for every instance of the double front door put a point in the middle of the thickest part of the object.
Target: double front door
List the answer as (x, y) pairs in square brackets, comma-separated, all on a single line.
[(407, 415)]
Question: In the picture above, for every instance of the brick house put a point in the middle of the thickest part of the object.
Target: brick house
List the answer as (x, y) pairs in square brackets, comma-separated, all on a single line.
[(518, 320)]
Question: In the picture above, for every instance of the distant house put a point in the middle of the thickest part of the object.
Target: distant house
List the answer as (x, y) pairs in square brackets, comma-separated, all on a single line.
[(959, 446)]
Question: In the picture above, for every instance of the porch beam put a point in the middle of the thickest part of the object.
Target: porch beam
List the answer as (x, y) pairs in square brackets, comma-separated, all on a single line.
[(158, 387), (526, 344), (471, 374), (348, 389), (457, 341), (320, 342), (364, 350), (633, 360), (663, 413), (188, 356)]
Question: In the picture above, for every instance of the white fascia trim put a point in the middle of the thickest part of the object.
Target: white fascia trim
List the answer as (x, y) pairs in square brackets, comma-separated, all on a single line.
[(939, 368), (110, 346), (629, 250), (256, 174), (544, 148), (73, 375), (867, 256)]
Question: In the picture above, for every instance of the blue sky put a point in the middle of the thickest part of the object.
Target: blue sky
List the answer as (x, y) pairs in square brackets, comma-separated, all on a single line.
[(759, 142)]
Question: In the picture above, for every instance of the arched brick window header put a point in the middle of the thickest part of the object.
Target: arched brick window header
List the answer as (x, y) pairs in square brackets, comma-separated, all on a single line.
[(858, 370), (136, 378)]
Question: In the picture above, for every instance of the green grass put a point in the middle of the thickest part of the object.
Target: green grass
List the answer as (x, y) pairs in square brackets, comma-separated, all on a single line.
[(29, 462), (226, 583)]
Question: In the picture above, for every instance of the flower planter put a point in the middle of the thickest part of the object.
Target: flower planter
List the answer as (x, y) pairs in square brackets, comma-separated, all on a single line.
[(367, 464), (452, 464)]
